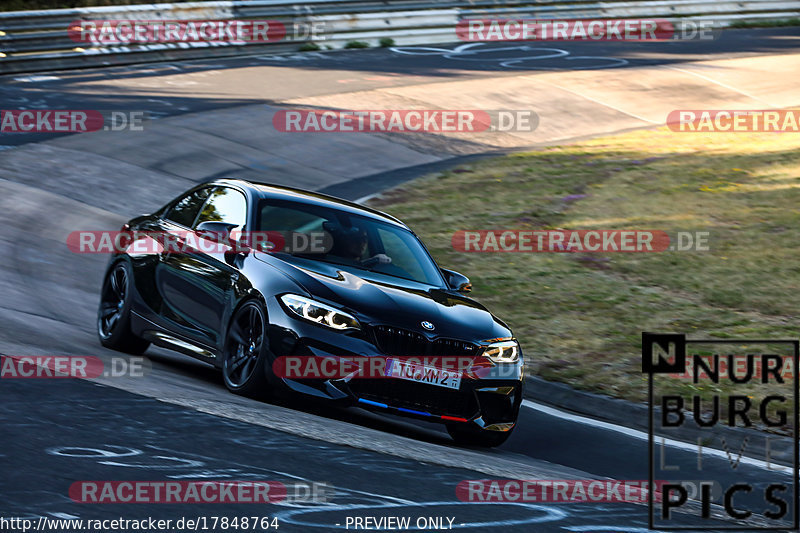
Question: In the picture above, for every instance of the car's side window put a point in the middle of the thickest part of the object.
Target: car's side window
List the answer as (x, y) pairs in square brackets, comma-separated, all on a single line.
[(399, 252), (185, 210), (224, 205)]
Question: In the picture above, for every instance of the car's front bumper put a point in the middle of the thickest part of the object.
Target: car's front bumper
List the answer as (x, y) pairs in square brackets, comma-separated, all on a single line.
[(490, 402)]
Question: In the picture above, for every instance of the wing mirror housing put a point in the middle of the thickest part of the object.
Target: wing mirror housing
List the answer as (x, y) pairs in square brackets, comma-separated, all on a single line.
[(456, 281), (218, 232)]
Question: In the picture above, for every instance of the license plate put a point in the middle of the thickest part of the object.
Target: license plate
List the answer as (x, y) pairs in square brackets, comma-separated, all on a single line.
[(419, 373)]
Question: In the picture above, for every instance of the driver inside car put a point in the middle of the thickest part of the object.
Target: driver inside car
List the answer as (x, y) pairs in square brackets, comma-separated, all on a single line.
[(351, 244)]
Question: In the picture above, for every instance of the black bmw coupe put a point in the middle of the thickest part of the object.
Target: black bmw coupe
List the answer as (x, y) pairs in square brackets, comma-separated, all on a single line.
[(369, 288)]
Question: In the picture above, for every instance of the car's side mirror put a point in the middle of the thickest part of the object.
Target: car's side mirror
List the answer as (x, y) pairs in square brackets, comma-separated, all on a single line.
[(216, 231), (457, 281)]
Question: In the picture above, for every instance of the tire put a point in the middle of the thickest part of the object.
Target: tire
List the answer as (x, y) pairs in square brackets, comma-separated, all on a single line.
[(473, 436), (246, 356), (114, 312)]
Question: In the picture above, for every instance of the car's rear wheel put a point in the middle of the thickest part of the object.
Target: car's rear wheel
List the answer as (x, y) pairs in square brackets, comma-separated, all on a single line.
[(113, 314), (469, 435), (246, 354)]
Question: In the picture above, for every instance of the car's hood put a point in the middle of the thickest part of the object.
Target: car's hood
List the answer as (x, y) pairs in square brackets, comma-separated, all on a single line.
[(382, 299)]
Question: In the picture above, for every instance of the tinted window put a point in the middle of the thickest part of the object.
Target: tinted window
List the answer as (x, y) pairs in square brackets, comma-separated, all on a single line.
[(185, 211), (359, 242), (279, 218), (224, 205), (399, 246)]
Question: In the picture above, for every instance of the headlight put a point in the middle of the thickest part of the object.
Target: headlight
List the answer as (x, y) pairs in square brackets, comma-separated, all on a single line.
[(319, 313), (502, 352)]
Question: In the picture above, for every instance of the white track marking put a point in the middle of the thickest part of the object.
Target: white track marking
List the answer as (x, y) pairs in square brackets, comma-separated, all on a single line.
[(367, 198), (474, 51), (616, 62), (721, 84), (33, 79), (615, 108), (641, 435)]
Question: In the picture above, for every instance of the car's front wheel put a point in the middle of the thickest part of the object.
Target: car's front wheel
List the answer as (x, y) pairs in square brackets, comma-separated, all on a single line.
[(114, 313), (246, 354), (469, 435)]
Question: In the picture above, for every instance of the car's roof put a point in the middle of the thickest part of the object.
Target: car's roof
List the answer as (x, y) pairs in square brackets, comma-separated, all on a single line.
[(281, 192)]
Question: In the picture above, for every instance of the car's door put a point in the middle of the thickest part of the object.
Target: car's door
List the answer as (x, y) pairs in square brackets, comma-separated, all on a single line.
[(196, 277), (177, 219)]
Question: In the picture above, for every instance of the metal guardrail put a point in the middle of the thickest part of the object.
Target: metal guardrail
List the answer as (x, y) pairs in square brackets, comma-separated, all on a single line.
[(39, 40)]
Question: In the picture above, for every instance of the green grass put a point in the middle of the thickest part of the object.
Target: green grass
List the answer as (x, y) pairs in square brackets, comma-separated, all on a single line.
[(579, 317), (309, 47), (357, 44)]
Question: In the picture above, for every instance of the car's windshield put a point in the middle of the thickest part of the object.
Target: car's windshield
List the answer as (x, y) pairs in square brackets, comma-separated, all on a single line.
[(353, 240)]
